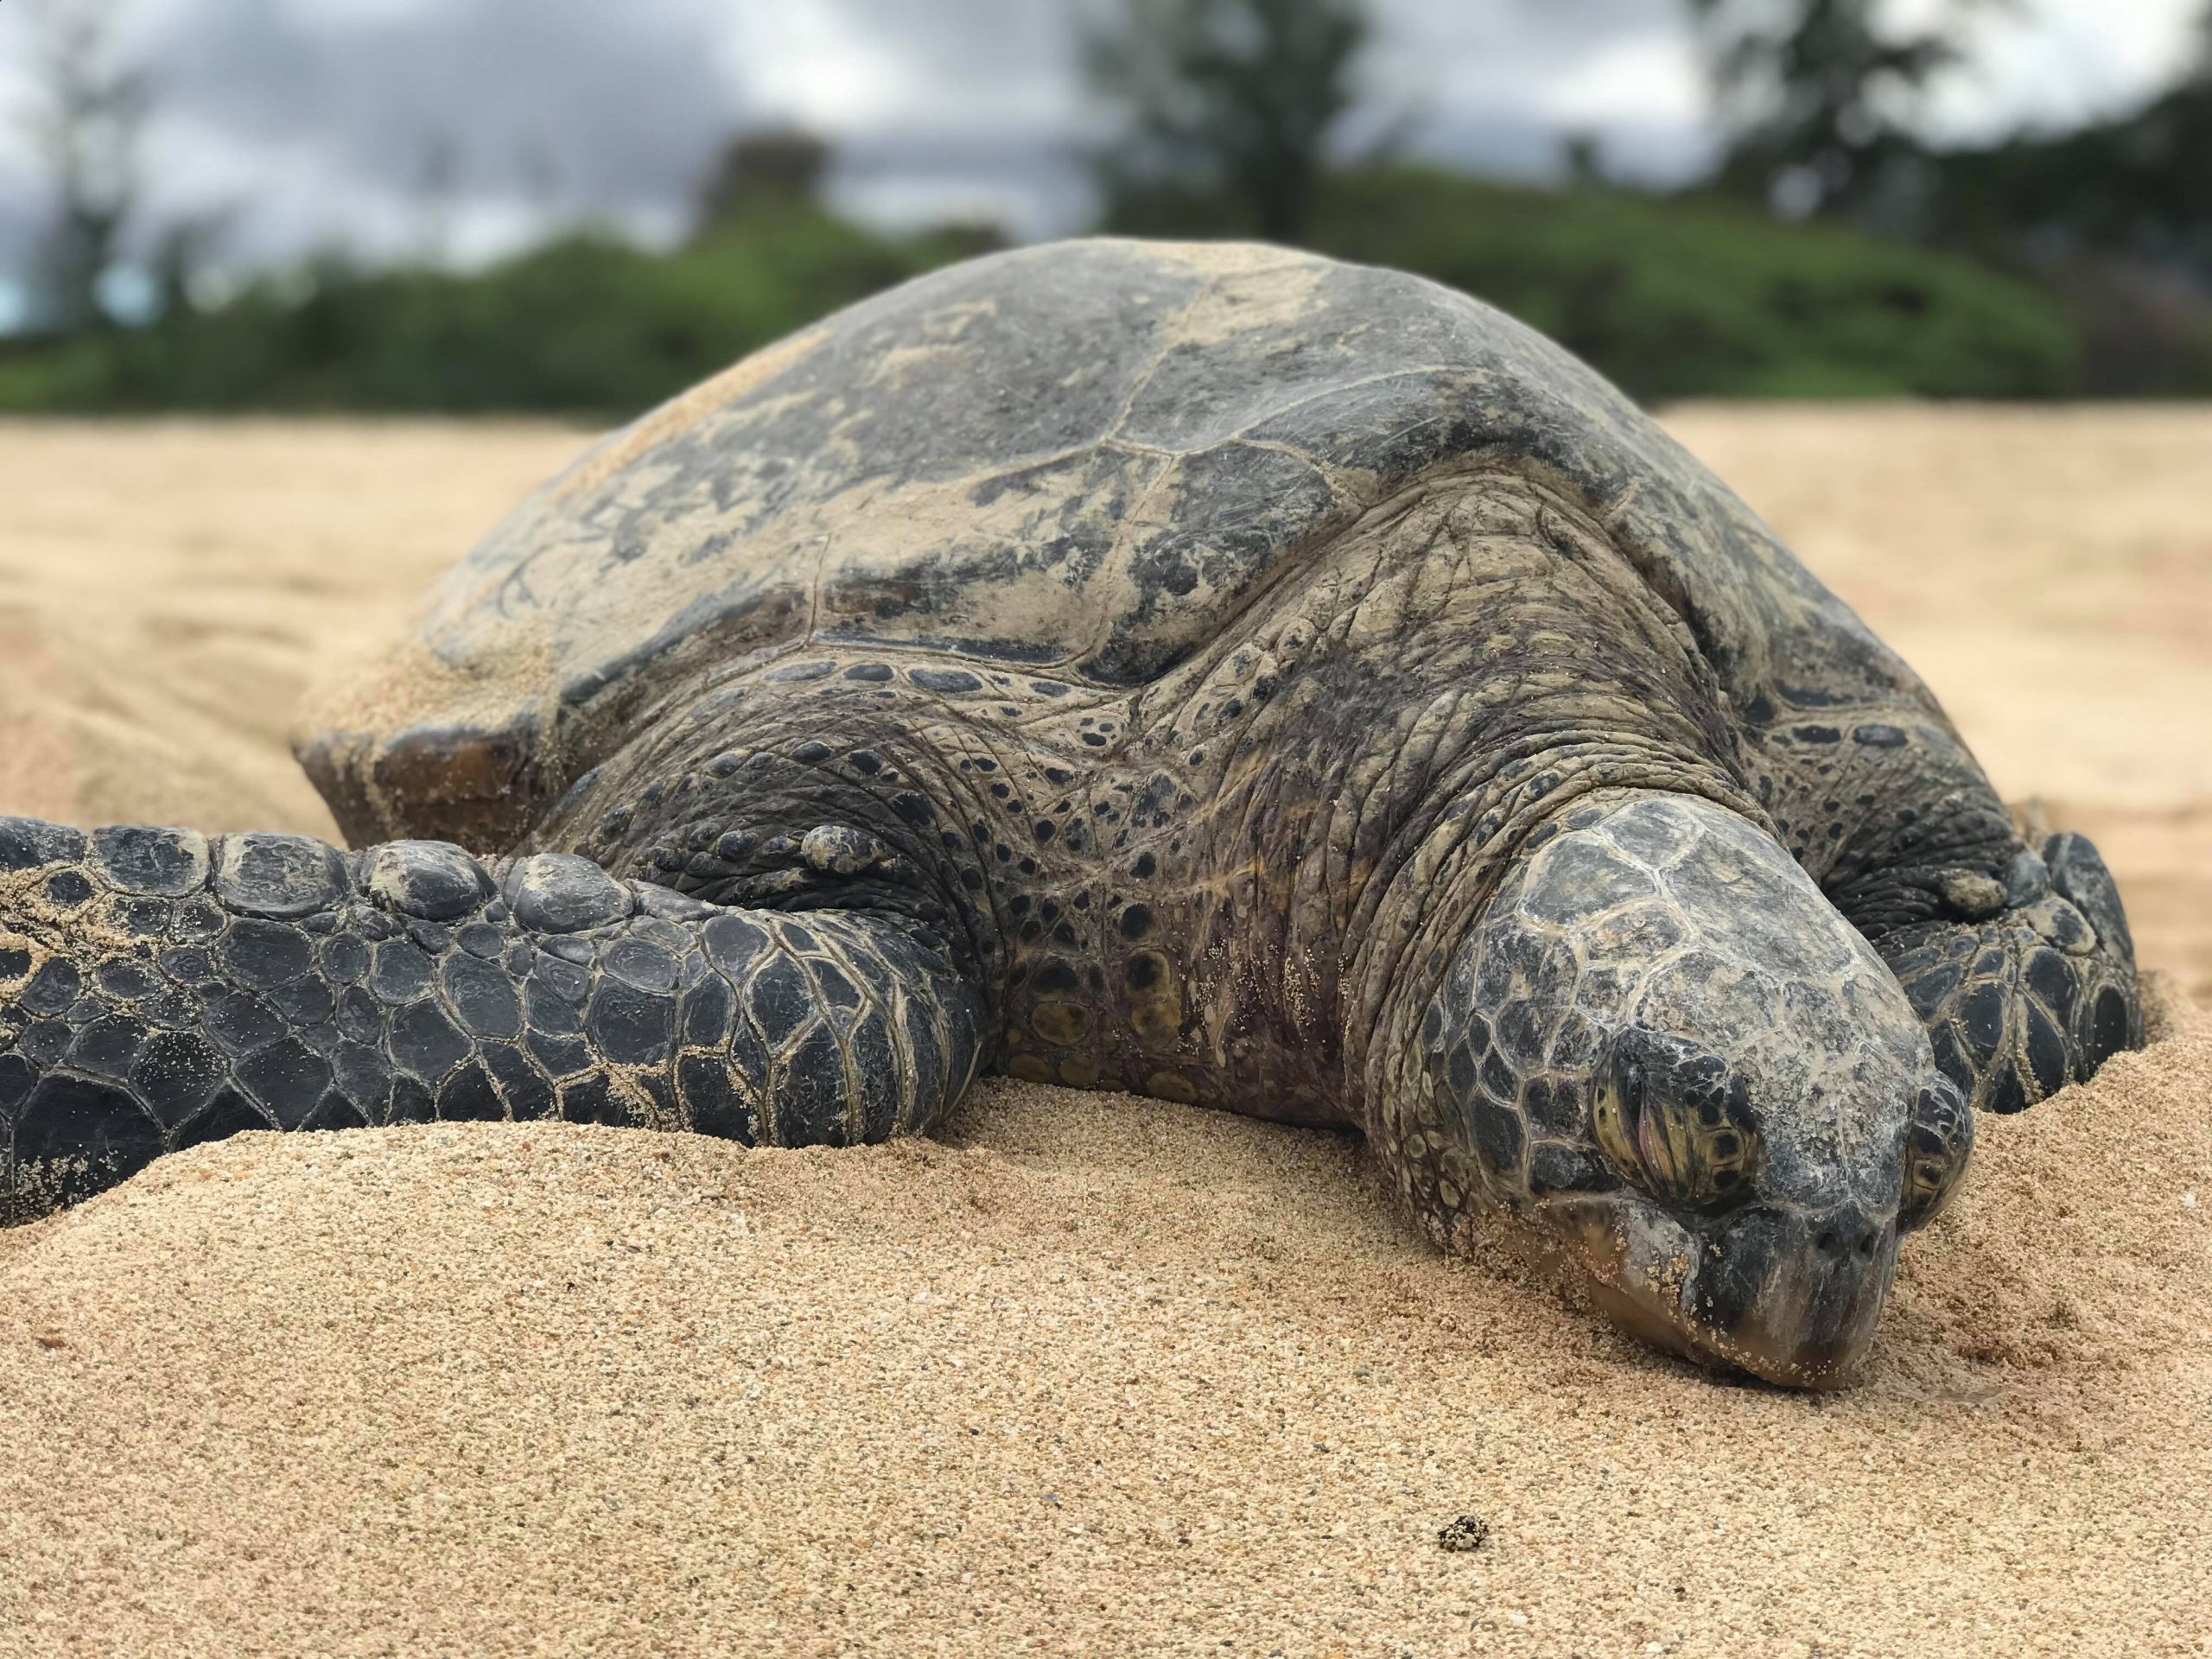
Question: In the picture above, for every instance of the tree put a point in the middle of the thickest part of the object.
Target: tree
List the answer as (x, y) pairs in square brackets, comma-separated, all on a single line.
[(182, 261), (1582, 161), (437, 187), (2136, 185), (777, 166), (1231, 99), (87, 107), (1817, 95)]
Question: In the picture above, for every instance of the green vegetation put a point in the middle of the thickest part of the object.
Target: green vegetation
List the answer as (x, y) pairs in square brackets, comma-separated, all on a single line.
[(1688, 298), (1672, 299), (587, 324)]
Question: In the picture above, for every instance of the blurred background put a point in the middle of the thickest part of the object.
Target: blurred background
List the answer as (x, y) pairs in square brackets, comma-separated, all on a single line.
[(580, 208)]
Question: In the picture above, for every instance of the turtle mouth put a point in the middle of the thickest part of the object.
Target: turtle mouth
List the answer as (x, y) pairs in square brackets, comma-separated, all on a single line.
[(1790, 1297)]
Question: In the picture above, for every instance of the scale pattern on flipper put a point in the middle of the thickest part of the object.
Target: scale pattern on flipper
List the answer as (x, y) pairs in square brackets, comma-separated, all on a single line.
[(2033, 987), (159, 989)]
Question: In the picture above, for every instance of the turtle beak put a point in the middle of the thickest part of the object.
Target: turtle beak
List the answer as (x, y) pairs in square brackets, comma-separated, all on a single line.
[(1794, 1298), (1789, 1296)]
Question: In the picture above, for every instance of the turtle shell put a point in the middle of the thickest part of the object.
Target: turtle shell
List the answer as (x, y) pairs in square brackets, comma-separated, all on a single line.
[(1085, 457)]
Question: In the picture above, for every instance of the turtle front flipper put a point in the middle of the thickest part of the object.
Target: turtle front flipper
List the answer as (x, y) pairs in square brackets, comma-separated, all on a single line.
[(2016, 958), (2027, 983), (159, 989)]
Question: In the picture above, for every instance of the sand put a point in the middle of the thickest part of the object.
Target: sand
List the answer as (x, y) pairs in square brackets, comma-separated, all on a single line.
[(1090, 1375)]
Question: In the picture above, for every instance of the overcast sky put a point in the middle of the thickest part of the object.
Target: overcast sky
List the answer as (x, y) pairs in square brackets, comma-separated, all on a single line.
[(317, 123)]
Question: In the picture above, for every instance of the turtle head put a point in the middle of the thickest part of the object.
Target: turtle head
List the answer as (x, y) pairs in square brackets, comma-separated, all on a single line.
[(1664, 1051)]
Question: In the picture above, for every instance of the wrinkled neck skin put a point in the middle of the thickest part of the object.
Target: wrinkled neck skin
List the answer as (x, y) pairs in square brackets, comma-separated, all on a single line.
[(1662, 1061), (1365, 750), (791, 790)]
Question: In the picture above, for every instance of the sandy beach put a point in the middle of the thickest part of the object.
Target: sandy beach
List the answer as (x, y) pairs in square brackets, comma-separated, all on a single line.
[(1085, 1374)]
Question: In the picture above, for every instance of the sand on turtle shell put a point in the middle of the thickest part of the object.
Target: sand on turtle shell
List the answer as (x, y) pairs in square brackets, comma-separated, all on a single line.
[(1089, 1373)]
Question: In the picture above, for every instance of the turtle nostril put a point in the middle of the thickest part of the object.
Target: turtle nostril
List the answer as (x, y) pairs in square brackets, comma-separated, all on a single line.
[(1834, 1243)]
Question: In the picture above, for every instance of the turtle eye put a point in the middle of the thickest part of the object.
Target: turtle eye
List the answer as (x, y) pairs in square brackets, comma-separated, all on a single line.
[(1937, 1143), (1674, 1122)]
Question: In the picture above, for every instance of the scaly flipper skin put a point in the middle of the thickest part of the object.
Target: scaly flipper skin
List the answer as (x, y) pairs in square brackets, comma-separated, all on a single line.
[(2018, 959), (161, 989), (2033, 985)]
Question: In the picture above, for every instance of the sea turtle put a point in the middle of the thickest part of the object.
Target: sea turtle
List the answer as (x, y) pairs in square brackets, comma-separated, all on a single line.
[(1210, 671)]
